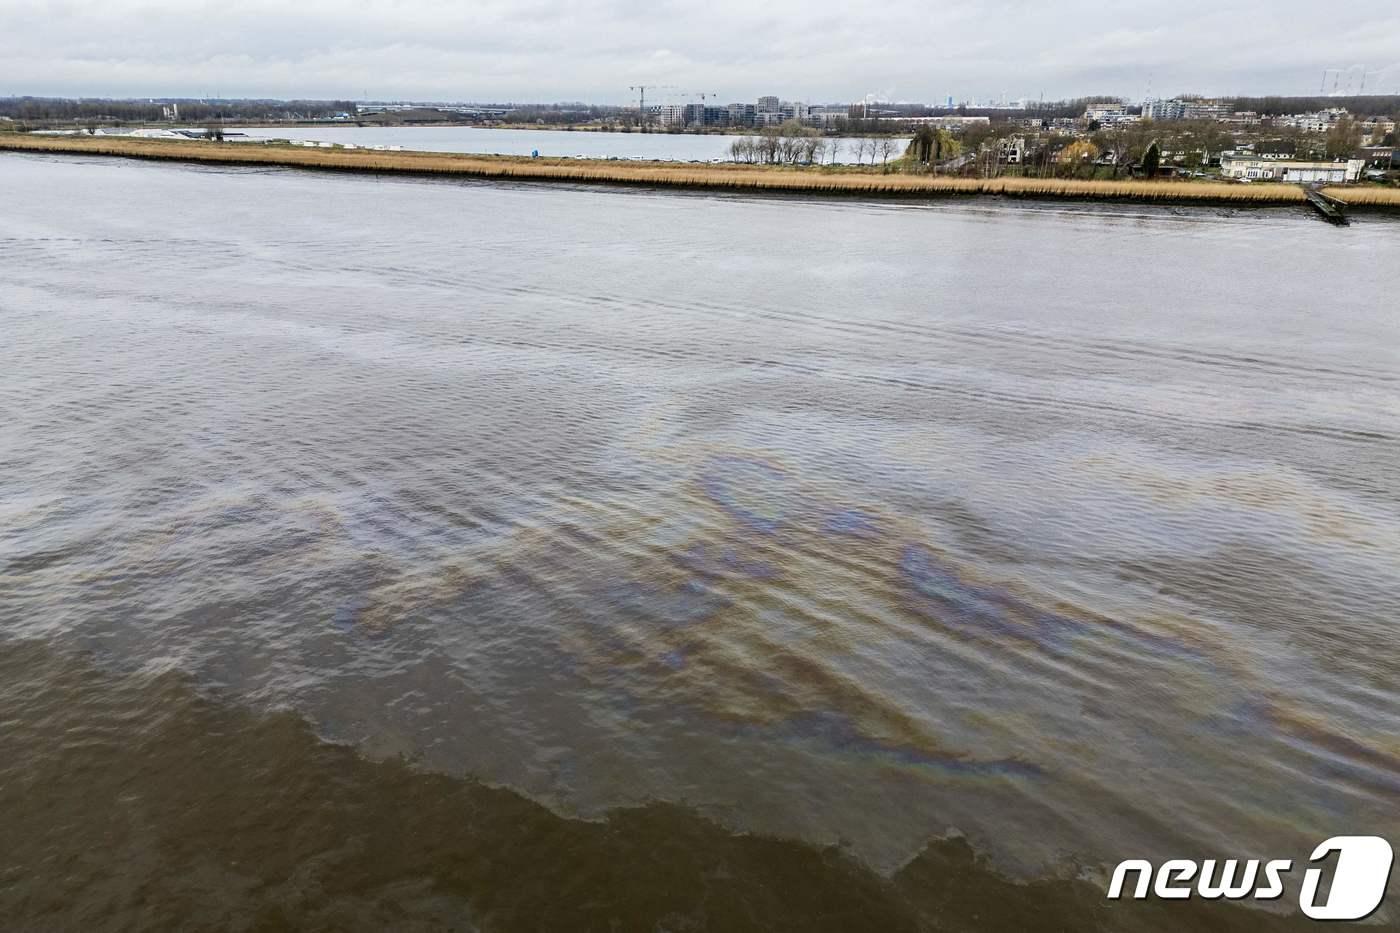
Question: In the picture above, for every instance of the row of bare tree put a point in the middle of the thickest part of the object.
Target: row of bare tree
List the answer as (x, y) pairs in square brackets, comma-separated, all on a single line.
[(793, 144), (779, 149)]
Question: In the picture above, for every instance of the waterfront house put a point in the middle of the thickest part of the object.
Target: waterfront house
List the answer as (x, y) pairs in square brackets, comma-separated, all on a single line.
[(1249, 166)]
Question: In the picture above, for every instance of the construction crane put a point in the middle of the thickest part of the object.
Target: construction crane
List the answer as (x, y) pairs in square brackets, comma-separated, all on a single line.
[(642, 100)]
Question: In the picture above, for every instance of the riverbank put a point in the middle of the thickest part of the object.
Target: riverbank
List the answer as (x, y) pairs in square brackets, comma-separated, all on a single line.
[(857, 180)]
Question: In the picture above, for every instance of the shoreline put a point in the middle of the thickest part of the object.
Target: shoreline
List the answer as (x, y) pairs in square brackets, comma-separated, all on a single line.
[(819, 180)]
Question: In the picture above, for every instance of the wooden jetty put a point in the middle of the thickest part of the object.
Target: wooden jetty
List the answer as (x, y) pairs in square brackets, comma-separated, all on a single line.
[(1330, 208)]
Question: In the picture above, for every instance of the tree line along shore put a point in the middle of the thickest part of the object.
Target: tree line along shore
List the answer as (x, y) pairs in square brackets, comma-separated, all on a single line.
[(813, 179)]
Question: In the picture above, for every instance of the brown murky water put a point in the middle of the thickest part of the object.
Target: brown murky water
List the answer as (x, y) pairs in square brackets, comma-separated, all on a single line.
[(393, 553)]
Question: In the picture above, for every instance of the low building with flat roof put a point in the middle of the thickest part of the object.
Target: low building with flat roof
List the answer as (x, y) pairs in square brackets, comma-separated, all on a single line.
[(1250, 167)]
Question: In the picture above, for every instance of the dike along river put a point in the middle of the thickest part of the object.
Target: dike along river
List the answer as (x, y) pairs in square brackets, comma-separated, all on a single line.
[(423, 554)]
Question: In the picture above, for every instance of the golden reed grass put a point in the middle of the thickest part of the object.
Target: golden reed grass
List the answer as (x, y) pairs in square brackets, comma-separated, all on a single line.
[(1367, 197), (725, 176)]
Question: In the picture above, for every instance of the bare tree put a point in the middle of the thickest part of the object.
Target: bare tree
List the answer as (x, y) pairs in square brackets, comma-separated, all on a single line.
[(767, 147), (744, 149), (784, 148), (834, 147), (886, 147)]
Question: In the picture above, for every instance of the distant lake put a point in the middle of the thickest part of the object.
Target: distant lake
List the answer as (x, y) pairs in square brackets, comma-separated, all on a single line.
[(550, 143)]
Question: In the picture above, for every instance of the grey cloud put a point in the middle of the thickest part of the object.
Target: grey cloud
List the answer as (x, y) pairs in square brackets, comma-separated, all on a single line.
[(554, 49)]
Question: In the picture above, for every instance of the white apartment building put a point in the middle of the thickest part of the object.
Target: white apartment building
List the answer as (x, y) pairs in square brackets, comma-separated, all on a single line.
[(1190, 109), (1164, 110), (1242, 118), (951, 123), (1107, 114), (671, 114), (1319, 122), (1012, 149), (795, 111), (1206, 109), (1376, 129)]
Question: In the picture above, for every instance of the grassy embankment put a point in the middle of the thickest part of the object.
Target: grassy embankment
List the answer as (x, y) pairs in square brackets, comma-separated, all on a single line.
[(856, 180)]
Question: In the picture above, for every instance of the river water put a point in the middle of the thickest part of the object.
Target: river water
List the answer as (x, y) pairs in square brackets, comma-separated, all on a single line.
[(392, 552)]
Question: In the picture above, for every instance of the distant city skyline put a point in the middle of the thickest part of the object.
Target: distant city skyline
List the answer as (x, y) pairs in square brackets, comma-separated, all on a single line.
[(548, 50)]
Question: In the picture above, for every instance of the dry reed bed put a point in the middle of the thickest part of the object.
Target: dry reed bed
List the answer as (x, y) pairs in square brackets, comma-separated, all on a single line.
[(1366, 197), (868, 181)]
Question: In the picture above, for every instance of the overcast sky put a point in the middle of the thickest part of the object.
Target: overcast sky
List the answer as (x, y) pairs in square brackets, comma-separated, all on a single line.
[(821, 51)]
